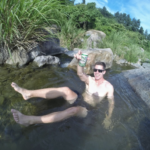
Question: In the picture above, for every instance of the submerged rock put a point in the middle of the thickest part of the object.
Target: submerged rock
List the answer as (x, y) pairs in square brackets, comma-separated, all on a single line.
[(42, 60)]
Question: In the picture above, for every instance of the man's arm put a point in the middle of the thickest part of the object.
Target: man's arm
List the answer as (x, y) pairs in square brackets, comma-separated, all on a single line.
[(80, 72), (110, 96)]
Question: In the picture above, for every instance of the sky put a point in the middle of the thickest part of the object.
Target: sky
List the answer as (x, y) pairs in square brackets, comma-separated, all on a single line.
[(138, 9)]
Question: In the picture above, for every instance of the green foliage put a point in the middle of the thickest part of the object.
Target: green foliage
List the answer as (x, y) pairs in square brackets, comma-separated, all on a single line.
[(20, 20), (105, 13), (84, 16), (70, 35), (124, 44), (108, 25)]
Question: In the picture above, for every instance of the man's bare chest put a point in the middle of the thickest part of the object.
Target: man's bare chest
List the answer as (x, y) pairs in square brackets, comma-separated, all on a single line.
[(98, 90)]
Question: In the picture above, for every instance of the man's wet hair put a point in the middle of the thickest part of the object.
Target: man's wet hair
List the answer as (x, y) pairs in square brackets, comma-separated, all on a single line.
[(100, 63)]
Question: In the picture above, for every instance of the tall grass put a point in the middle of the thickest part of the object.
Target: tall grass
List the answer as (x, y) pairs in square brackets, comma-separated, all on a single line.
[(70, 36), (22, 20), (125, 45)]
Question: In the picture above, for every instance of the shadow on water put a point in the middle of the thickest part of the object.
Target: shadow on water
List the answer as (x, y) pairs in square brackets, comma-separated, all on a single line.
[(130, 119)]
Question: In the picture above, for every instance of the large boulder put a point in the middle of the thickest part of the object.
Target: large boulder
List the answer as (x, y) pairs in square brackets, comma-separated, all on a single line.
[(42, 60), (22, 56), (18, 57), (94, 55), (146, 65), (49, 47), (139, 79), (94, 37), (4, 54)]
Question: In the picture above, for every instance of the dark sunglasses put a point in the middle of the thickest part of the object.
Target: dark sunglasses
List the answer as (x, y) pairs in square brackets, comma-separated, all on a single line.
[(99, 70)]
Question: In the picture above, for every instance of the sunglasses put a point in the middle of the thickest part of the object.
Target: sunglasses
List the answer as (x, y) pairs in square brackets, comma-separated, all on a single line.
[(99, 70)]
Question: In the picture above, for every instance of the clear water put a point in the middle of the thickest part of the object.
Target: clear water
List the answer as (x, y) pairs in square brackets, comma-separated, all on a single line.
[(130, 119)]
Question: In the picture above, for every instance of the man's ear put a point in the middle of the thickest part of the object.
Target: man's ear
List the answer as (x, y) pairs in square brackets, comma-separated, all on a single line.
[(104, 71)]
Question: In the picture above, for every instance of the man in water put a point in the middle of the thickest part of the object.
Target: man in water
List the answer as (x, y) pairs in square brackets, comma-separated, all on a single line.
[(96, 89)]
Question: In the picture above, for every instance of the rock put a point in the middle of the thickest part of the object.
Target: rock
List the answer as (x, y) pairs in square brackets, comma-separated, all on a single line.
[(139, 79), (94, 55), (4, 55), (22, 57), (146, 65), (42, 60), (137, 65), (142, 50), (71, 53), (49, 47), (121, 61), (94, 38), (19, 57), (147, 60)]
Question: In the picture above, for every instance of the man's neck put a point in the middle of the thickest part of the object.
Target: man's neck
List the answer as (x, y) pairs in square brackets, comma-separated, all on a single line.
[(99, 81)]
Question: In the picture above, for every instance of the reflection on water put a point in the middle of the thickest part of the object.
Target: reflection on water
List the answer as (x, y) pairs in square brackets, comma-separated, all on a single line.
[(130, 118)]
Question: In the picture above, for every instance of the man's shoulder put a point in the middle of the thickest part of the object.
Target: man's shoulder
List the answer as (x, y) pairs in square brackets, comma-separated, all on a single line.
[(91, 78), (108, 84)]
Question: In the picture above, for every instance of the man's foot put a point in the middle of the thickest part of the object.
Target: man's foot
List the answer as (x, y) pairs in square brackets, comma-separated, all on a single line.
[(20, 118), (25, 93)]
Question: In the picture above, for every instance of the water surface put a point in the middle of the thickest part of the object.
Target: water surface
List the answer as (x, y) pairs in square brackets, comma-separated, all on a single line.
[(130, 129)]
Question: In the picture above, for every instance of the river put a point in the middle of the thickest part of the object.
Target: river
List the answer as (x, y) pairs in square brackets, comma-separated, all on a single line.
[(130, 129)]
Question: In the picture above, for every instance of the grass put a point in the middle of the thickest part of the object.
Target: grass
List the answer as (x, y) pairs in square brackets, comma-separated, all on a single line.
[(125, 45), (70, 36), (22, 21)]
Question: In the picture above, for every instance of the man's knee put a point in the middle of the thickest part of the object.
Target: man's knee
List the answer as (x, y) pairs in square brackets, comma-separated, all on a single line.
[(73, 111), (68, 93), (65, 90)]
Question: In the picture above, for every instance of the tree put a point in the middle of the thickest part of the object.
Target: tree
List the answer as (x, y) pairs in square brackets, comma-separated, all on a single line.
[(146, 34), (148, 37), (105, 13), (141, 30), (117, 15), (128, 22), (83, 1), (135, 24)]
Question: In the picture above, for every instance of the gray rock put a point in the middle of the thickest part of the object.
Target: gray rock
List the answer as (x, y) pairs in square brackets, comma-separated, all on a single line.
[(94, 55), (146, 65), (71, 53), (142, 50), (121, 61), (22, 57), (4, 55), (19, 57), (137, 65), (94, 37), (147, 60), (49, 47), (139, 79), (42, 60)]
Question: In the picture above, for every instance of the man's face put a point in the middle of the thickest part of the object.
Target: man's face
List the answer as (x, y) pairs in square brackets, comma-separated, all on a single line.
[(99, 72)]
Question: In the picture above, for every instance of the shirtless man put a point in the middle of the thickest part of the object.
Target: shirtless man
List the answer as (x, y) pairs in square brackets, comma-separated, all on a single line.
[(97, 88)]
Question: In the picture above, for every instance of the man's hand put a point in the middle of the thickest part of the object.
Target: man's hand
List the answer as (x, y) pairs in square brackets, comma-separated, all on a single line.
[(107, 123), (78, 55), (80, 72)]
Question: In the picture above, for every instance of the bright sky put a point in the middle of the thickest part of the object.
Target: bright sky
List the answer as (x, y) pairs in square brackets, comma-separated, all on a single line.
[(139, 9)]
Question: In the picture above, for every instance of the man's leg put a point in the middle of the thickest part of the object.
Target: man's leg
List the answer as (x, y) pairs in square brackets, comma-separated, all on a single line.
[(48, 93), (50, 118)]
